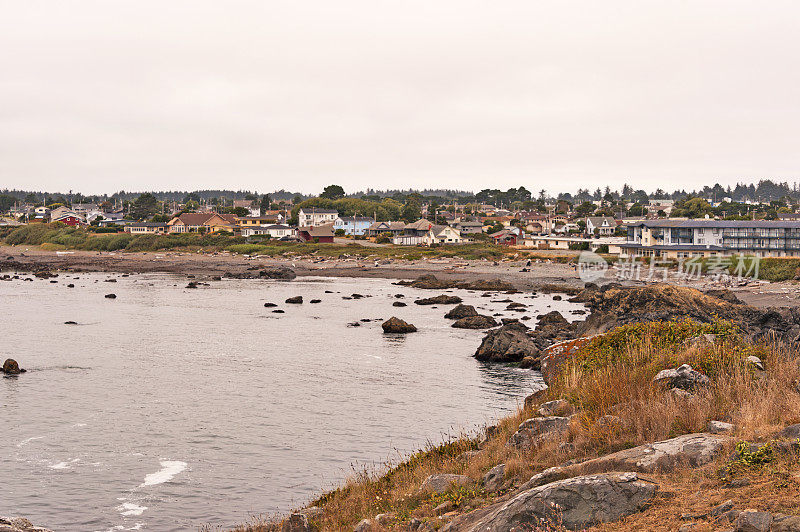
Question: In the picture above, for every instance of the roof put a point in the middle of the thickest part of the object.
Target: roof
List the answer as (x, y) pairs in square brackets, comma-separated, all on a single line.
[(316, 210), (599, 220), (676, 247), (439, 229), (194, 218), (469, 224), (396, 226), (504, 232), (148, 224), (357, 219), (722, 224), (230, 218), (318, 230), (420, 225)]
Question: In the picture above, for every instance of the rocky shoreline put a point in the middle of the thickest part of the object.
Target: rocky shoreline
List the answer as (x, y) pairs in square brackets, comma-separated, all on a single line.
[(611, 486)]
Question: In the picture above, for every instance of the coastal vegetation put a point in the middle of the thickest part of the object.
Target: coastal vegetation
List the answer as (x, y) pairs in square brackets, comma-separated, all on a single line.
[(59, 237), (609, 387)]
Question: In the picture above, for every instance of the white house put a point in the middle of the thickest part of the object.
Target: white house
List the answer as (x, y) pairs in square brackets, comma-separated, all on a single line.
[(442, 234), (600, 225), (274, 231), (313, 216)]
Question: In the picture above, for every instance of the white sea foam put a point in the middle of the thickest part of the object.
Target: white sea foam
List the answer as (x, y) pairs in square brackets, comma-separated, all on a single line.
[(65, 465), (129, 508), (169, 468), (26, 441)]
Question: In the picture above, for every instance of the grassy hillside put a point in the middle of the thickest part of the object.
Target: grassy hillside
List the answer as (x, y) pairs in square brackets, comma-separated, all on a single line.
[(611, 376)]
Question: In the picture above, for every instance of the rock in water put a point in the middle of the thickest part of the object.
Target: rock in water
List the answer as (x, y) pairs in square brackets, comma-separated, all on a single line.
[(277, 272), (443, 299), (479, 321), (509, 343), (19, 524), (396, 325), (296, 300), (461, 311), (111, 296), (10, 367), (575, 503)]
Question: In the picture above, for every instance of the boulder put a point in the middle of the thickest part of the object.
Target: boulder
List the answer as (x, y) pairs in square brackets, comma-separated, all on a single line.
[(461, 311), (785, 523), (494, 478), (10, 367), (315, 301), (430, 282), (270, 305), (719, 427), (792, 432), (753, 521), (443, 299), (683, 377), (552, 318), (365, 525), (479, 321), (296, 300), (111, 296), (509, 343), (295, 523), (396, 325), (536, 429), (559, 407), (574, 503), (398, 304), (440, 483), (277, 272), (693, 450), (19, 524)]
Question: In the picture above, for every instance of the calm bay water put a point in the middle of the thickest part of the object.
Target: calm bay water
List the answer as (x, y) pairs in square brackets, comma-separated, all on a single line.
[(168, 408)]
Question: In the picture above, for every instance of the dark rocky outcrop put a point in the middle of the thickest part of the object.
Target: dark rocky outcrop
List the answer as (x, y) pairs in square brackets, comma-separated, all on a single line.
[(19, 524), (10, 367), (430, 282), (111, 296), (461, 311), (398, 304), (479, 321), (509, 343), (296, 300), (443, 299), (396, 325), (277, 272), (270, 305)]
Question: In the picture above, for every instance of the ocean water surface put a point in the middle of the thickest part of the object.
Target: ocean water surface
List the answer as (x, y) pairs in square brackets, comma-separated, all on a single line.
[(168, 408)]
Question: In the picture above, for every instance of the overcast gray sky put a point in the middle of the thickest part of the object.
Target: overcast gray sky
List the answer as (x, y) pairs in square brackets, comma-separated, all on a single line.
[(102, 95)]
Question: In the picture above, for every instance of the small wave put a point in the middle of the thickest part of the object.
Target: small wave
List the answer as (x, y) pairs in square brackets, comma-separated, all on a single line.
[(169, 468), (65, 465), (129, 508), (26, 441)]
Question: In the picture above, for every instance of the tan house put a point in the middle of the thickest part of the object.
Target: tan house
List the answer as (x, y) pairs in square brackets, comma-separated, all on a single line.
[(208, 222)]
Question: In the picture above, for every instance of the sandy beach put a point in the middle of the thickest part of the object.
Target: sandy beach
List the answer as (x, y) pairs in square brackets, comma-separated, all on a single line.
[(540, 274), (213, 264)]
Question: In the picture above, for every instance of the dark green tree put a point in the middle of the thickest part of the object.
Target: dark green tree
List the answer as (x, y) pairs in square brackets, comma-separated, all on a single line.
[(332, 192)]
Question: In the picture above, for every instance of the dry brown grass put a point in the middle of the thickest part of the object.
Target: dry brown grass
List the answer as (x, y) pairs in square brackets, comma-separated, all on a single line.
[(758, 403)]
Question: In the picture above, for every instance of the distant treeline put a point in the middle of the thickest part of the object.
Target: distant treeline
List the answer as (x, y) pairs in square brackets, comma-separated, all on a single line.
[(764, 191)]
